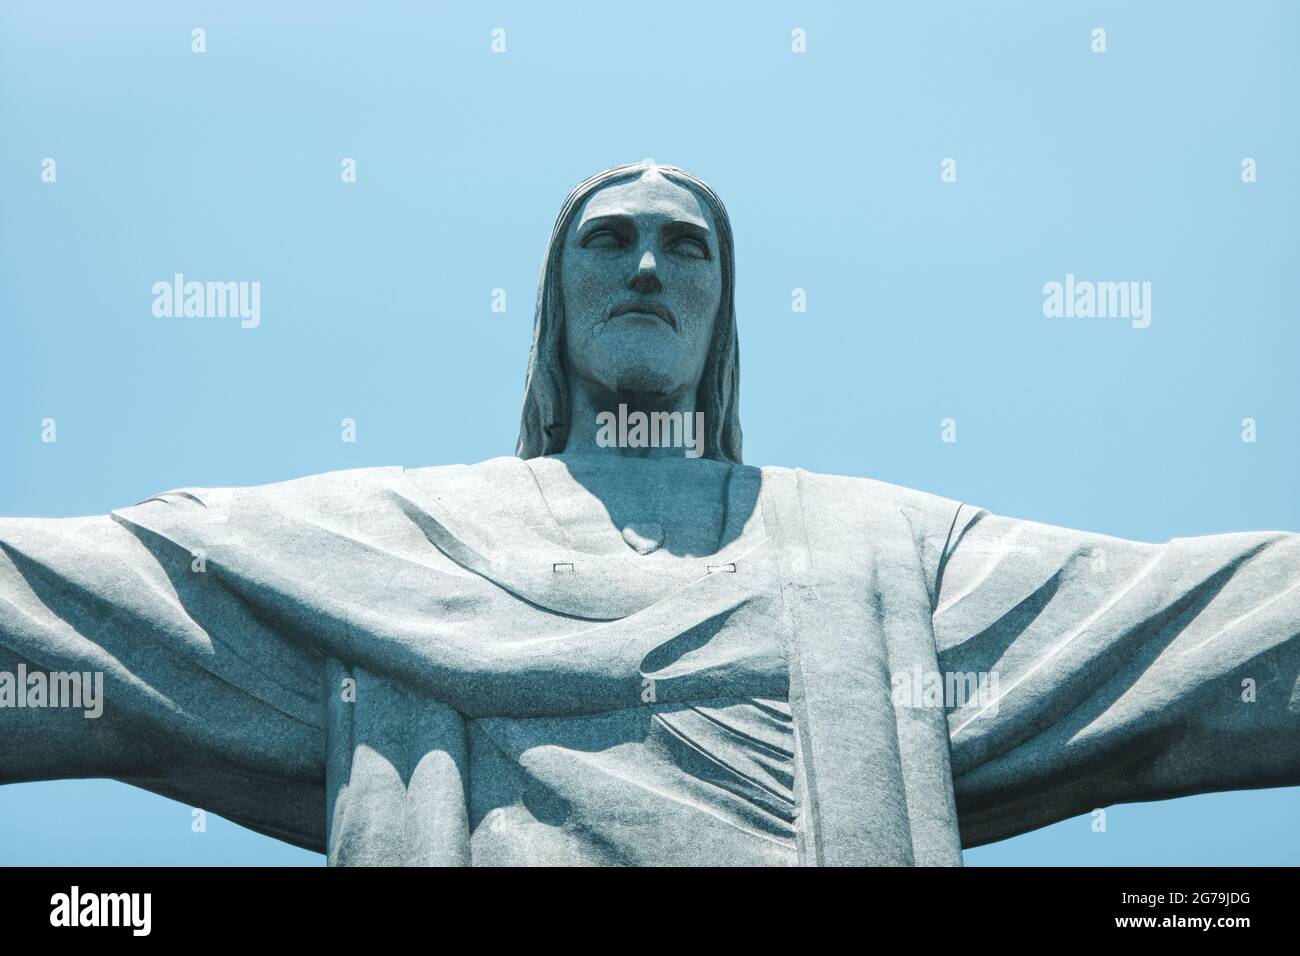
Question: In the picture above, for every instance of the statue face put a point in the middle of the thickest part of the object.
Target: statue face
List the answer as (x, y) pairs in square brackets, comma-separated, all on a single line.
[(641, 284)]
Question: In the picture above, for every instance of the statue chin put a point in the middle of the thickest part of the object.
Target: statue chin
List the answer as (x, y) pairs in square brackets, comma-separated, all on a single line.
[(648, 383), (636, 378), (636, 360)]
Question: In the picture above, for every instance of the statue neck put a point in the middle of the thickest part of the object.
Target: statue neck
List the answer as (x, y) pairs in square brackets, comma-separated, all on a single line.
[(633, 426)]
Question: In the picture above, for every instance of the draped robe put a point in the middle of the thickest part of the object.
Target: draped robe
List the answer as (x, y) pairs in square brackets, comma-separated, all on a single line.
[(414, 666)]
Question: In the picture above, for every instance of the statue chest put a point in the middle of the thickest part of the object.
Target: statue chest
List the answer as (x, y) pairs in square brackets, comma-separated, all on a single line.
[(742, 716), (663, 737)]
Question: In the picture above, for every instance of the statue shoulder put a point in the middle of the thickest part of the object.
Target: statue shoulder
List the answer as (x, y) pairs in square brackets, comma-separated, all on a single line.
[(489, 471), (319, 489), (865, 496)]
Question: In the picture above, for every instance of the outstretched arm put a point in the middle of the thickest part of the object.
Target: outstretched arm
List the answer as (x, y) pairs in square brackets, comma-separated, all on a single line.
[(199, 700), (1115, 671)]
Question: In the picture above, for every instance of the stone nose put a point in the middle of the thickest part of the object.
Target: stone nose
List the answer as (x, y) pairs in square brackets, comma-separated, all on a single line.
[(646, 279)]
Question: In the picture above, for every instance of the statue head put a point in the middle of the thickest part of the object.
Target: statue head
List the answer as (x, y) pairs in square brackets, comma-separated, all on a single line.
[(636, 299)]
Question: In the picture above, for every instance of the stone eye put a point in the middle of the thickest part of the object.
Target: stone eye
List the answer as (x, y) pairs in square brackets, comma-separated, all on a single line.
[(692, 248), (603, 239)]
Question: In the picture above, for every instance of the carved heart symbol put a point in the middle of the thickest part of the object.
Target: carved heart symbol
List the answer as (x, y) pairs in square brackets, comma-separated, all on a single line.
[(644, 537)]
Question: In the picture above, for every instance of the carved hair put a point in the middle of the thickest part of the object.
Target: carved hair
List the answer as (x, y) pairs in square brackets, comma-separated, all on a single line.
[(544, 424)]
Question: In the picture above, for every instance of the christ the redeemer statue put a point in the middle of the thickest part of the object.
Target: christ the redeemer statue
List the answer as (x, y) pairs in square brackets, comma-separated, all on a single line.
[(607, 651)]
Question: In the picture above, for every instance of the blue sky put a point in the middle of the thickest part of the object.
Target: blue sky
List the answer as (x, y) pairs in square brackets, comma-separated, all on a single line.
[(924, 298)]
